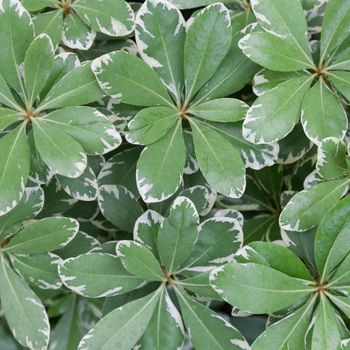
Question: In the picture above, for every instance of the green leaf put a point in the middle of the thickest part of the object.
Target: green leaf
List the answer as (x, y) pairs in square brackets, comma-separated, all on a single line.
[(207, 42), (335, 27), (150, 124), (343, 303), (16, 33), (125, 76), (178, 234), (123, 327), (43, 236), (96, 134), (289, 332), (208, 330), (97, 275), (279, 107), (111, 17), (77, 87), (60, 152), (269, 290), (188, 4), (218, 160), (160, 36), (39, 270), (50, 23), (226, 110), (212, 247), (274, 52), (76, 34), (160, 166), (24, 312), (285, 19), (323, 114), (331, 238), (139, 260), (28, 207), (119, 206), (165, 330), (306, 209), (341, 81), (325, 333), (8, 117), (6, 96), (36, 5), (14, 167), (38, 63), (331, 159)]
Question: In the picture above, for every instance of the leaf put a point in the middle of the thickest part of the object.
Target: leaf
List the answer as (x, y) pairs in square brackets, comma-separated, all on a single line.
[(150, 124), (165, 330), (119, 206), (16, 33), (325, 334), (188, 4), (6, 97), (139, 260), (331, 159), (76, 34), (127, 77), (39, 270), (36, 5), (335, 25), (14, 167), (38, 62), (284, 19), (341, 302), (160, 166), (269, 289), (279, 107), (114, 18), (96, 134), (97, 275), (341, 81), (207, 328), (29, 206), (8, 117), (207, 42), (160, 35), (123, 327), (77, 87), (178, 234), (323, 114), (331, 237), (289, 331), (226, 110), (274, 52), (24, 312), (218, 160), (43, 236), (60, 152), (219, 238), (306, 209)]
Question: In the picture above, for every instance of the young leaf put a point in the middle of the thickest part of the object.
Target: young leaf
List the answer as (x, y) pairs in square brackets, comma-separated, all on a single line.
[(323, 114), (269, 289), (207, 42), (160, 35), (208, 329), (126, 76), (306, 209), (279, 107), (139, 260), (119, 206), (97, 275), (38, 63), (160, 166), (331, 237), (178, 234), (111, 17), (43, 236), (218, 160), (14, 167), (24, 312), (123, 327), (60, 152)]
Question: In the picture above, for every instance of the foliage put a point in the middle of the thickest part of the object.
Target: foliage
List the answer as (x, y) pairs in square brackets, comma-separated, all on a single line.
[(174, 174)]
